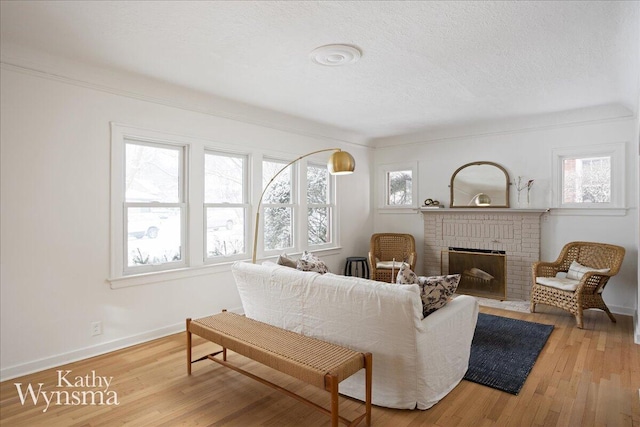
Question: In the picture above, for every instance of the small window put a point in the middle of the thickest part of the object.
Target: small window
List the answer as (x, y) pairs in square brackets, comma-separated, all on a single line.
[(226, 206), (398, 187), (590, 177), (586, 180)]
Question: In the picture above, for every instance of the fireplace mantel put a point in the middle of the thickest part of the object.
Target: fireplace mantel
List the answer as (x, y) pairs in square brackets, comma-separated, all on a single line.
[(481, 210), (514, 231)]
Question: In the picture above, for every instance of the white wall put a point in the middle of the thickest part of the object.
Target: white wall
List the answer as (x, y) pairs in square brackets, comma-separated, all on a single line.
[(55, 149), (528, 153)]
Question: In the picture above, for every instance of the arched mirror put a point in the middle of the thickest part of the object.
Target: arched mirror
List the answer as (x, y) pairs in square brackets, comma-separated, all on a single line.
[(480, 185)]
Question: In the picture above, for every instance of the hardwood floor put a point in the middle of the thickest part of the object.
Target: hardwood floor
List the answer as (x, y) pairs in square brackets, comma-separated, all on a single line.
[(588, 377)]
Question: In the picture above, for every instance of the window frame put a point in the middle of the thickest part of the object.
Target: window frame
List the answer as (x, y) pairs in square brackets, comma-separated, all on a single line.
[(244, 205), (382, 185), (181, 205), (294, 205), (616, 153), (194, 248), (330, 204)]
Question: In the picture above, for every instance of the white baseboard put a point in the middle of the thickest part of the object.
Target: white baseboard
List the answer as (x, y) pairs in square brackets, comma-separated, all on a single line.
[(92, 351), (625, 311)]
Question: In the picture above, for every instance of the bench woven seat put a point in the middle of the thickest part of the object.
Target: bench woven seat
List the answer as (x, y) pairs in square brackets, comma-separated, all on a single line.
[(311, 360)]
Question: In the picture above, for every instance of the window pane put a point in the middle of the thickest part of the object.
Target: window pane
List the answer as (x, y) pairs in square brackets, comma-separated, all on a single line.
[(317, 188), (224, 179), (152, 174), (153, 235), (225, 231), (586, 180), (319, 232), (278, 228), (399, 188), (280, 189)]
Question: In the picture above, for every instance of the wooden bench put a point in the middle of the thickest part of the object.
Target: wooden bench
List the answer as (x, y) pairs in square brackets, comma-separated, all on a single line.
[(308, 359)]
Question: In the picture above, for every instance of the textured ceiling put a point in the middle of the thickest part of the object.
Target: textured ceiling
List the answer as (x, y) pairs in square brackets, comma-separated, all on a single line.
[(425, 65)]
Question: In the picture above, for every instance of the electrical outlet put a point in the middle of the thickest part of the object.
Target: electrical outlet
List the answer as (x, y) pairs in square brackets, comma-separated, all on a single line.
[(96, 328)]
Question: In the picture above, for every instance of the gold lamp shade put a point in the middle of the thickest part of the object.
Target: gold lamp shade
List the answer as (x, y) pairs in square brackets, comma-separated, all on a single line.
[(341, 163)]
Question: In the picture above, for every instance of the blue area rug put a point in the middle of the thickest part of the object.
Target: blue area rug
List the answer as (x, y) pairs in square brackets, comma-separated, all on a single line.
[(504, 350)]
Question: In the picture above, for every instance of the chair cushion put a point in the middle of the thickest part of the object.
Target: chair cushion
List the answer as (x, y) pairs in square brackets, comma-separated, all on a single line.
[(388, 265), (577, 270), (563, 283)]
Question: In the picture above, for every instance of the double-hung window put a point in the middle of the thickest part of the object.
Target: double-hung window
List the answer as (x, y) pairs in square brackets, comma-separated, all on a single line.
[(179, 204), (154, 206), (320, 207), (226, 205), (279, 206)]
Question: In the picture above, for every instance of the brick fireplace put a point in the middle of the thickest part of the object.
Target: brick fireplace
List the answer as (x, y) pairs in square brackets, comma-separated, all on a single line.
[(514, 231)]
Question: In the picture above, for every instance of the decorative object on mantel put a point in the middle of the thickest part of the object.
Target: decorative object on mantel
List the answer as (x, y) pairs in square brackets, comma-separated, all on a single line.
[(432, 204), (480, 185), (480, 200), (520, 185)]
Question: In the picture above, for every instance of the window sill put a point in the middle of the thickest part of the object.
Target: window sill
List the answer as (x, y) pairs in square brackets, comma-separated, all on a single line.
[(167, 275), (589, 211), (187, 272), (402, 210)]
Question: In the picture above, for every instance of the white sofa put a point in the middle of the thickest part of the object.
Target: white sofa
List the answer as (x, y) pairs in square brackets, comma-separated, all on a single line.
[(416, 361)]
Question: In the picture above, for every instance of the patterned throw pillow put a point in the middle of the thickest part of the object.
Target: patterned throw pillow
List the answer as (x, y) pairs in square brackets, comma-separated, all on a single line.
[(310, 262), (406, 276), (287, 261), (577, 270), (435, 291)]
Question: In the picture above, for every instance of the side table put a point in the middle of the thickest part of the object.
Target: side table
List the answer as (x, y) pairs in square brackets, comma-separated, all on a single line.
[(357, 265)]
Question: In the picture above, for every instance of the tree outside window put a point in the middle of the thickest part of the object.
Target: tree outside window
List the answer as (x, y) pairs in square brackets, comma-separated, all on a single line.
[(399, 188), (318, 205), (278, 203), (586, 180)]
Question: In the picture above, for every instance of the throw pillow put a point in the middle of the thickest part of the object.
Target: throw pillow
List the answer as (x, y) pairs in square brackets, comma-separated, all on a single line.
[(406, 276), (577, 270), (287, 261), (435, 291), (310, 262)]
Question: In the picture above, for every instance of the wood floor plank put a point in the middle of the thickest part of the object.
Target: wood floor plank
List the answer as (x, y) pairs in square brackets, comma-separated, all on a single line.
[(581, 378)]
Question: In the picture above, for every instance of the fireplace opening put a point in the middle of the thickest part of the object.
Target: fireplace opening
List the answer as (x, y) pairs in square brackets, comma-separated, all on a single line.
[(483, 272)]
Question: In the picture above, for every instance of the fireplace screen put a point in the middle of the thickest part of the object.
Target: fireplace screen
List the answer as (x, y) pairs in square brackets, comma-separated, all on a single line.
[(482, 273)]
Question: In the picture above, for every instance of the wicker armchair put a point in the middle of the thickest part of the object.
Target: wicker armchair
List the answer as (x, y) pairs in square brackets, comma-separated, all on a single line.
[(387, 247), (582, 288)]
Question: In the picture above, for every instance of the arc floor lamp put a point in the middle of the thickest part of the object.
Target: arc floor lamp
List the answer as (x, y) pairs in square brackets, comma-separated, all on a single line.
[(340, 163)]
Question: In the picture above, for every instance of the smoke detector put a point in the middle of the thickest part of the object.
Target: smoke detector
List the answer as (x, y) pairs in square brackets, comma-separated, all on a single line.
[(334, 55)]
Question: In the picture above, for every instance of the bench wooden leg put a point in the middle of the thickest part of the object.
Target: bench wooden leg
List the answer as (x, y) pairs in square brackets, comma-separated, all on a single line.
[(332, 387), (368, 366), (188, 347)]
